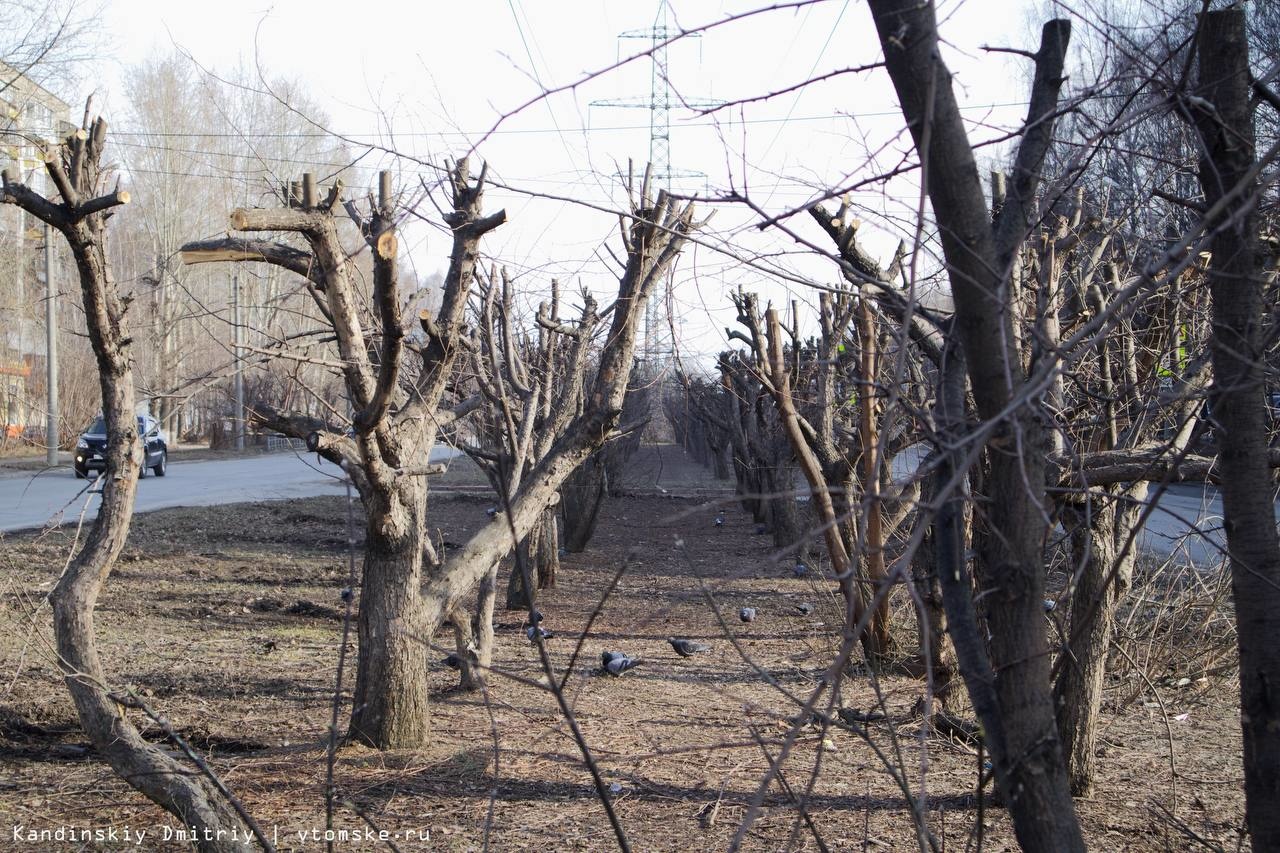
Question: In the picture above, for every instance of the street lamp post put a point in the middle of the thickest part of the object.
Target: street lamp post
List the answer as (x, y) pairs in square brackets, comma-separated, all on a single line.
[(51, 334), (238, 354)]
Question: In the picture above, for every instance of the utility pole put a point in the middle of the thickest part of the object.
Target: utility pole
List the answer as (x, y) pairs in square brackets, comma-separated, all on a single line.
[(237, 351), (51, 334), (19, 227)]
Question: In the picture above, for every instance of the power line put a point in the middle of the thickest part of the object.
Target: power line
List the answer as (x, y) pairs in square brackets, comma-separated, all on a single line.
[(471, 134)]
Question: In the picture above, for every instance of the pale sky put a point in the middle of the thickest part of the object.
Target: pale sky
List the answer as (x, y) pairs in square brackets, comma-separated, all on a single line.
[(430, 79)]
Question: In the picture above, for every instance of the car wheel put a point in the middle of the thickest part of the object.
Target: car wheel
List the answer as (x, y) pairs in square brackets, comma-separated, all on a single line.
[(142, 469), (163, 465)]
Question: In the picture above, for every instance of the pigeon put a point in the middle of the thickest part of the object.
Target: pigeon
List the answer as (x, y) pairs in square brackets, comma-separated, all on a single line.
[(453, 662), (1049, 604), (747, 614), (802, 719), (804, 608), (620, 663), (562, 552), (800, 569), (720, 519), (687, 648), (854, 717), (605, 657), (492, 512), (535, 632), (346, 594), (535, 617)]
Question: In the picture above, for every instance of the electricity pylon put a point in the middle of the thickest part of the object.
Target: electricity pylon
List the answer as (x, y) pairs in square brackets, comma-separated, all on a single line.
[(657, 344)]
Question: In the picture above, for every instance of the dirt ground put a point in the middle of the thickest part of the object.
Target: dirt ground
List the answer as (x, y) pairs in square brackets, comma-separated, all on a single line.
[(228, 621)]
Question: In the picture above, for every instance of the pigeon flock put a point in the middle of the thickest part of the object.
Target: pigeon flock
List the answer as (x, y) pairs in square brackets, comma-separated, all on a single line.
[(616, 663)]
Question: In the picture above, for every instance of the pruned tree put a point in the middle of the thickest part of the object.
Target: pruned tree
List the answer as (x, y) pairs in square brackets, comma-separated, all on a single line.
[(828, 461), (936, 372), (80, 216), (399, 413), (763, 464), (692, 408), (395, 424)]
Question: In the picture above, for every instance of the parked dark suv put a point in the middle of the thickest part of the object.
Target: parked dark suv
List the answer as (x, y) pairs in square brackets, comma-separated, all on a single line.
[(91, 449)]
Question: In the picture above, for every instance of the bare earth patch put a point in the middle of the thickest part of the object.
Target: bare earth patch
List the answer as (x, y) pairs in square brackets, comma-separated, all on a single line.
[(228, 620)]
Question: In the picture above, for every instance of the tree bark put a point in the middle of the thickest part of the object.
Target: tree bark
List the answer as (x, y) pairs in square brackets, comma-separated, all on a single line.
[(580, 499), (1237, 396), (932, 629), (390, 703), (1020, 725), (1101, 579), (540, 552)]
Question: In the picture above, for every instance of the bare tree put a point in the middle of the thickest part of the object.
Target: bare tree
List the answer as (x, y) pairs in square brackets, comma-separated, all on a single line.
[(1016, 708), (396, 423), (81, 216), (44, 40), (828, 463), (603, 474), (1228, 175), (532, 382)]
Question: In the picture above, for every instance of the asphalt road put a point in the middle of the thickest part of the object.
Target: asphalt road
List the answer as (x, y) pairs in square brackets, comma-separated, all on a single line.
[(30, 501), (1187, 523)]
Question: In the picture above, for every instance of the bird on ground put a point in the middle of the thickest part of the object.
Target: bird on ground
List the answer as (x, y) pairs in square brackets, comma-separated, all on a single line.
[(855, 717), (536, 631), (803, 719), (535, 617), (620, 663), (687, 648), (720, 519), (1049, 605), (562, 552), (800, 569), (491, 511), (453, 662), (747, 614), (804, 608)]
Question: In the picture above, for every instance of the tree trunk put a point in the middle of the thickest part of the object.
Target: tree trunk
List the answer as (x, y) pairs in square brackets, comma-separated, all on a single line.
[(784, 518), (581, 498), (464, 643), (474, 637), (1237, 396), (177, 789), (747, 487), (931, 620), (180, 791), (390, 704), (540, 553), (482, 620), (1102, 578), (719, 460)]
